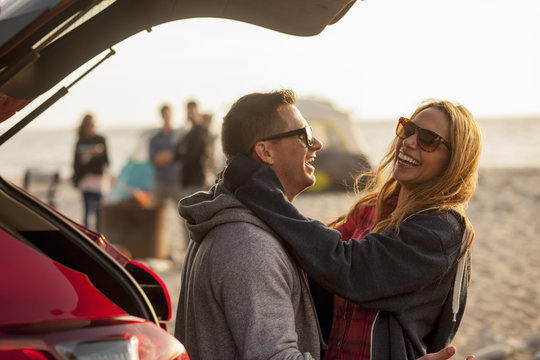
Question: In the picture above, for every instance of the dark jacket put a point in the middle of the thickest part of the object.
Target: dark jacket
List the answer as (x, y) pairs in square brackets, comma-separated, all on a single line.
[(407, 277), (96, 164), (192, 152)]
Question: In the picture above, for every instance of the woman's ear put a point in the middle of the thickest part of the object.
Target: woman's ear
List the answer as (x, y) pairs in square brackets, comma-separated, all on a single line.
[(263, 151)]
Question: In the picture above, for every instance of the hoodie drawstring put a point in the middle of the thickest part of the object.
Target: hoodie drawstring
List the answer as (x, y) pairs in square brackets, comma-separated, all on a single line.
[(460, 274)]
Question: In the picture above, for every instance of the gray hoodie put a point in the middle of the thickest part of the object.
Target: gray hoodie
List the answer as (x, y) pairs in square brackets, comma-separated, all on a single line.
[(242, 296)]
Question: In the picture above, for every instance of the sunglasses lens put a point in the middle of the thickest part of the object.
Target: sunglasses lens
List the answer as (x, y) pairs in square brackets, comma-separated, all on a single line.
[(427, 140), (405, 128), (309, 136)]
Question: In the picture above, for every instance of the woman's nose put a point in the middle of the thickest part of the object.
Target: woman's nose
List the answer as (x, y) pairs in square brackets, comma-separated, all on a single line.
[(410, 141)]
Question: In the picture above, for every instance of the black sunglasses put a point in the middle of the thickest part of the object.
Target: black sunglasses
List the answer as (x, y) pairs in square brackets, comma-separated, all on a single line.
[(307, 135), (427, 140)]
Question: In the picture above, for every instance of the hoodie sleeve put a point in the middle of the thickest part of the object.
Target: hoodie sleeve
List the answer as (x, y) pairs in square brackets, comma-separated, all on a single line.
[(380, 271), (254, 282)]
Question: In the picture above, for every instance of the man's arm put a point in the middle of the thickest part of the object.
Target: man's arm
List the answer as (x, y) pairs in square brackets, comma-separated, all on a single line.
[(256, 283)]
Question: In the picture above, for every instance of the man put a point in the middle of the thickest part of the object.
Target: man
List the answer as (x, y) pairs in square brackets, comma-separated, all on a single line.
[(161, 149), (242, 295), (191, 151), (167, 172)]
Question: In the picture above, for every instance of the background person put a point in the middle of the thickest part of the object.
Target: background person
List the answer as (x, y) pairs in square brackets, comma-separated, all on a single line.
[(398, 262), (90, 163), (192, 152), (210, 166), (161, 152), (168, 173)]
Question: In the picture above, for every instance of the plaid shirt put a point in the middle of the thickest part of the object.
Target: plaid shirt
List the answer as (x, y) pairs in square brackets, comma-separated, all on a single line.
[(350, 337)]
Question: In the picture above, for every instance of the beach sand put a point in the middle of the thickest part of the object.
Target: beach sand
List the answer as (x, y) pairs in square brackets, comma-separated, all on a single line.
[(504, 296)]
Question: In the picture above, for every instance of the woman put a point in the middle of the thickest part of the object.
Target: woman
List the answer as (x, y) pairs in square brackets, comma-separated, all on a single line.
[(90, 168), (398, 262)]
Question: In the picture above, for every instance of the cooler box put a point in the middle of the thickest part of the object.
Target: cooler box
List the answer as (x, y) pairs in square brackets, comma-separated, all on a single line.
[(139, 230)]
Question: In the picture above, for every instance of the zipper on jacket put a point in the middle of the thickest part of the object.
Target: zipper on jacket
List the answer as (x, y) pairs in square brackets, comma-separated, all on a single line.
[(371, 337)]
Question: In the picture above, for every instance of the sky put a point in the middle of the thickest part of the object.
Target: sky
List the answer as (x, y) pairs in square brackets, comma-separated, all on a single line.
[(378, 62)]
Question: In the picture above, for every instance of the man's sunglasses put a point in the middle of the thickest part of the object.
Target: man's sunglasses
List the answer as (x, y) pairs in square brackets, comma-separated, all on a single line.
[(307, 135), (427, 140)]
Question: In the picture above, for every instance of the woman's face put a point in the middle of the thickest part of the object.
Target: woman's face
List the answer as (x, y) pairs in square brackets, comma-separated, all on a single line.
[(414, 166), (90, 127)]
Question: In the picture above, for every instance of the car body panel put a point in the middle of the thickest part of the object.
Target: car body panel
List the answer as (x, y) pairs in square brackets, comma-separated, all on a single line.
[(45, 290), (33, 222)]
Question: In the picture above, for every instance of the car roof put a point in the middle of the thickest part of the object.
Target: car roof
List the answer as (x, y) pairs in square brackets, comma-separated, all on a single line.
[(43, 41)]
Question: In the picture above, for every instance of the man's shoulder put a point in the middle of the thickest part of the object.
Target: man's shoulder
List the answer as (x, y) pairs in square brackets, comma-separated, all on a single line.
[(245, 239), (248, 230), (243, 252)]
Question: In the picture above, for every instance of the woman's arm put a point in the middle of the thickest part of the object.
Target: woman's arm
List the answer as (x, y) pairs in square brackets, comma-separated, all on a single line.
[(380, 271)]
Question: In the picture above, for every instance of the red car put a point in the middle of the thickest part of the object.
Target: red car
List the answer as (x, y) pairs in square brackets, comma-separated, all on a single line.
[(65, 292)]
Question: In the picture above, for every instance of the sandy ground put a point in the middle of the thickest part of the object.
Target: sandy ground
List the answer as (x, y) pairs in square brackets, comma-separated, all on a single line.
[(504, 301)]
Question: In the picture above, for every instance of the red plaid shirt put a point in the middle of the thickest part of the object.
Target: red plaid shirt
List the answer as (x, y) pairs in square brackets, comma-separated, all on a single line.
[(350, 337)]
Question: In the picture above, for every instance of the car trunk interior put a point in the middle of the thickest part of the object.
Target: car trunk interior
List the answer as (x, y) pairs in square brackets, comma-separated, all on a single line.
[(39, 227)]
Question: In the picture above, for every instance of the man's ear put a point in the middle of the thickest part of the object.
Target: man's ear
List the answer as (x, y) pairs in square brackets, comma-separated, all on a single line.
[(263, 151)]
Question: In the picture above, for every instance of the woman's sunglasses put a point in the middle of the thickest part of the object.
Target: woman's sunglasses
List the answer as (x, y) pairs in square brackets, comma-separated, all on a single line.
[(427, 140), (306, 133)]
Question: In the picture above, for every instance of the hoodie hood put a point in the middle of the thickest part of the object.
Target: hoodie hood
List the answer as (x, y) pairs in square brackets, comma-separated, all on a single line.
[(205, 210)]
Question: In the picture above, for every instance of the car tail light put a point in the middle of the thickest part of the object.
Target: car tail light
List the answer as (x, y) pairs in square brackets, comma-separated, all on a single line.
[(121, 349), (152, 344), (130, 340)]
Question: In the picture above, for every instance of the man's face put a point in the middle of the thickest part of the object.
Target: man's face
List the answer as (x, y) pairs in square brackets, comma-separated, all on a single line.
[(291, 157), (166, 116), (193, 114)]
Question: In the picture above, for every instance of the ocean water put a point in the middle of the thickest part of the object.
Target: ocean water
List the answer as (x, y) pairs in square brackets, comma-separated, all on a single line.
[(508, 143)]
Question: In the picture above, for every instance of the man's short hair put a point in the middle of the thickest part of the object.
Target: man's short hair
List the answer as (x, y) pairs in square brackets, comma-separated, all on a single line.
[(253, 117)]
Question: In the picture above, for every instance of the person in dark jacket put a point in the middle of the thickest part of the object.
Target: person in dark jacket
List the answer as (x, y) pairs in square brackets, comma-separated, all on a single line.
[(398, 261), (90, 163), (192, 152)]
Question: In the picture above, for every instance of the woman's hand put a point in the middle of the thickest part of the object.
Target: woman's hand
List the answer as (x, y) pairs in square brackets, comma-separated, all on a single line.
[(444, 354)]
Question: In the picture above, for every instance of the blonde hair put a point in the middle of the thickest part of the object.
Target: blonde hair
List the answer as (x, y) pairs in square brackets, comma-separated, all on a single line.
[(450, 191)]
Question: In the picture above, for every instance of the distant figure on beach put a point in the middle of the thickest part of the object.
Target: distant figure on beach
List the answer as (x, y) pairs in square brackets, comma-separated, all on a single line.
[(90, 169), (192, 151), (161, 152), (167, 188), (242, 294), (399, 259), (210, 163)]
